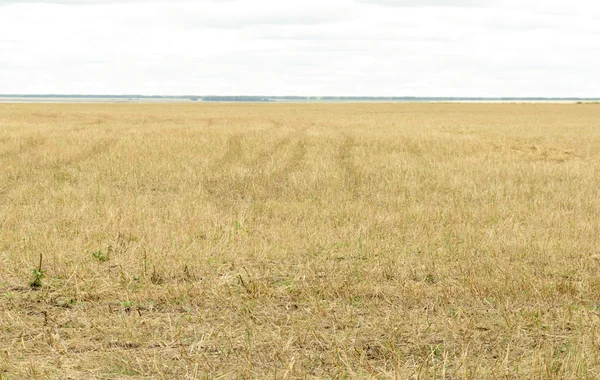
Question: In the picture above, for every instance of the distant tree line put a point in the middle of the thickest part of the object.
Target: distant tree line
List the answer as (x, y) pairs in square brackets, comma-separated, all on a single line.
[(252, 98), (236, 99)]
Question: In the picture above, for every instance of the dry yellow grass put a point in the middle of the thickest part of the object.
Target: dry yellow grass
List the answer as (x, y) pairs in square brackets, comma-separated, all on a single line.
[(301, 240)]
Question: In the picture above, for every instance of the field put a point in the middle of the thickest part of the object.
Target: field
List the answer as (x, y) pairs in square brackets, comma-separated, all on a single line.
[(446, 241)]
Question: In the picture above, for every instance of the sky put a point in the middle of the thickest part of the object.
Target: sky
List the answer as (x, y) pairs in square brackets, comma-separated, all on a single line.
[(484, 48)]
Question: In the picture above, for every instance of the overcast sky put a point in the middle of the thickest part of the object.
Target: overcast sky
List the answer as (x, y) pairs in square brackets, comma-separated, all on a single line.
[(301, 47)]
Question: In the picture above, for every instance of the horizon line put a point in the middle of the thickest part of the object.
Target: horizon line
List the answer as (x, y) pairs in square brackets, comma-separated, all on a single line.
[(315, 97)]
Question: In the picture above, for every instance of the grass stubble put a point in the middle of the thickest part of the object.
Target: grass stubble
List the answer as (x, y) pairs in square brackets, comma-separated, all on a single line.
[(456, 241)]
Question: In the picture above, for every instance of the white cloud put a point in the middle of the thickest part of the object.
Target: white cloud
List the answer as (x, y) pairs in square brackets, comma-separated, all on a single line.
[(310, 47), (430, 3)]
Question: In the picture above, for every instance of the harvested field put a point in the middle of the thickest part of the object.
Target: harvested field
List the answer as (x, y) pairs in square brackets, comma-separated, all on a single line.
[(300, 241)]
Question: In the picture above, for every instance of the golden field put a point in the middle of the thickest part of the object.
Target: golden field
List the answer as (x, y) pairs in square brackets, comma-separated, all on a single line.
[(446, 241)]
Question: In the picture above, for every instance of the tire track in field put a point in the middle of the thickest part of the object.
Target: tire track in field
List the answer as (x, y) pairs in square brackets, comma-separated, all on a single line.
[(233, 152), (54, 167), (222, 182), (295, 161), (351, 176), (259, 181), (236, 154), (26, 145), (270, 153), (277, 182), (51, 166), (216, 181), (289, 158), (87, 153)]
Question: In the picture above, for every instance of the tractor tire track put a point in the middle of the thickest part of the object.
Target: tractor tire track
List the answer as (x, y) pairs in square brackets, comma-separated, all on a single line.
[(26, 145), (351, 177)]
